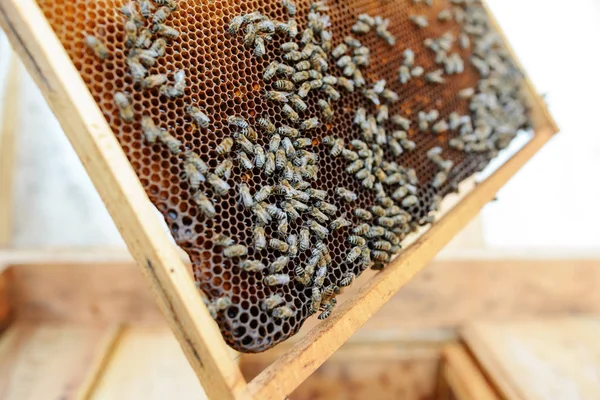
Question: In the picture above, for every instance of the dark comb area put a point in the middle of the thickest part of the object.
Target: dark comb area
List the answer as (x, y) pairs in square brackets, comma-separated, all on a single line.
[(224, 78)]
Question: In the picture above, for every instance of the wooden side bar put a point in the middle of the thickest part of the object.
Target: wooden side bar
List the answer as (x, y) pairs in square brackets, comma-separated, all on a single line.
[(119, 187), (9, 119)]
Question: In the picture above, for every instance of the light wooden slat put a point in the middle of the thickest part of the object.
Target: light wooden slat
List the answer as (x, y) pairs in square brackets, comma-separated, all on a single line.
[(147, 364), (284, 375), (8, 127), (464, 376), (84, 294), (539, 359), (51, 361), (121, 191)]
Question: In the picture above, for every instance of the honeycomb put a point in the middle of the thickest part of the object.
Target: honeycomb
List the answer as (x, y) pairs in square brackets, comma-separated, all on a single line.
[(224, 78)]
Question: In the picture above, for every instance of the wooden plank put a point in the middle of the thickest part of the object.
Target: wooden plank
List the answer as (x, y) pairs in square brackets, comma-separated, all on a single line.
[(539, 359), (284, 375), (51, 361), (8, 128), (119, 187), (6, 308), (147, 364), (85, 294), (365, 370), (463, 375)]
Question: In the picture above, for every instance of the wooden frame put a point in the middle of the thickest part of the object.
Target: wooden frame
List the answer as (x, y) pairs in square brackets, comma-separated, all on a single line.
[(119, 187)]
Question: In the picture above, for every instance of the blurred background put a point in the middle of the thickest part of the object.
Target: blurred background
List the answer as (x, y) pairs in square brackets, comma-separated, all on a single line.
[(531, 255)]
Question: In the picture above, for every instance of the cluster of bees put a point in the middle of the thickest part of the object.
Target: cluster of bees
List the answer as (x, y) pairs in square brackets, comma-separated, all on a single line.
[(146, 37), (301, 215)]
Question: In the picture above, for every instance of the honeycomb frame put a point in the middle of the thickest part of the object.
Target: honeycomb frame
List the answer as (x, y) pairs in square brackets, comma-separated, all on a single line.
[(27, 38), (232, 88)]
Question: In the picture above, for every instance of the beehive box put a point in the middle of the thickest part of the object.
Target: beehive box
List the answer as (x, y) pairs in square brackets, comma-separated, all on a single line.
[(224, 78)]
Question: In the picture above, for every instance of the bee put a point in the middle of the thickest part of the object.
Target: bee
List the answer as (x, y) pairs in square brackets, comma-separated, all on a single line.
[(151, 132), (320, 276), (288, 131), (124, 106), (261, 214), (161, 15), (289, 113), (357, 240), (327, 208), (289, 46), (363, 214), (224, 168), (271, 302), (304, 89), (279, 264), (263, 194), (284, 85), (276, 212), (144, 39), (340, 223), (298, 104), (316, 84), (280, 97), (307, 36), (100, 50), (327, 311), (315, 301), (464, 41), (355, 166), (235, 24), (283, 312), (361, 28), (300, 76), (439, 179), (292, 28), (277, 279), (244, 143), (153, 81), (250, 35), (280, 159), (457, 144), (220, 186), (129, 10), (198, 116), (165, 31), (260, 157), (382, 245), (191, 173), (466, 93), (386, 35), (287, 145), (435, 76), (269, 165), (224, 240), (347, 279), (346, 84), (171, 91), (254, 16), (319, 230), (220, 304), (236, 250), (266, 26), (245, 195), (225, 146), (381, 256), (410, 201), (293, 55), (259, 47), (311, 123), (350, 155), (244, 161), (419, 20), (318, 215), (205, 205), (339, 51), (130, 33)]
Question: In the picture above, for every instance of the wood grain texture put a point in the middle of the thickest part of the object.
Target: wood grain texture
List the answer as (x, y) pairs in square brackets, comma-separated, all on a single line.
[(8, 127), (367, 370), (539, 359), (147, 363), (6, 306), (284, 375), (100, 293), (463, 376), (119, 187), (51, 361)]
